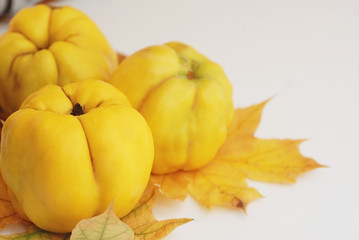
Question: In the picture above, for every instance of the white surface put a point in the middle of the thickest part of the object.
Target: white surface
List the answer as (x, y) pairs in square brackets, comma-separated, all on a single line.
[(306, 54)]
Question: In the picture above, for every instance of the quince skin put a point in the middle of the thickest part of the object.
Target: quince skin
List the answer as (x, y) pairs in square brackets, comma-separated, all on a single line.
[(186, 100), (68, 152), (45, 45)]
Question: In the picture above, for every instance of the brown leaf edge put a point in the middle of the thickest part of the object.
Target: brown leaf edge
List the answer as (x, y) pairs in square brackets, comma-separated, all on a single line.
[(120, 57)]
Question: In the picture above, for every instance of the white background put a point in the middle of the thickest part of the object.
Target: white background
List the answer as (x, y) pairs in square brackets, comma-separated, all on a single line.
[(305, 54)]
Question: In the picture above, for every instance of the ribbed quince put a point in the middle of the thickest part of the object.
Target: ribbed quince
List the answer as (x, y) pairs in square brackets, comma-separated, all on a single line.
[(68, 152), (186, 100), (45, 45)]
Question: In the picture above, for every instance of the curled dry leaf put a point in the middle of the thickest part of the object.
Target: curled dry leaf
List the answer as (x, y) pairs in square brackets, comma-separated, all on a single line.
[(223, 180), (145, 225)]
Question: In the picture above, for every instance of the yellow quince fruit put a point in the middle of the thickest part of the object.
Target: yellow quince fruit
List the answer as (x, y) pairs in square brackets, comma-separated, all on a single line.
[(185, 98), (45, 45), (68, 152)]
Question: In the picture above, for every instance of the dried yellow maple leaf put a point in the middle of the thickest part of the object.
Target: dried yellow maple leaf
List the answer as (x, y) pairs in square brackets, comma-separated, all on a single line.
[(145, 225), (223, 180)]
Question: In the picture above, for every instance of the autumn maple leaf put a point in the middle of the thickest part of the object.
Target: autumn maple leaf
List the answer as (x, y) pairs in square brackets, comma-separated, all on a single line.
[(145, 225), (223, 180)]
